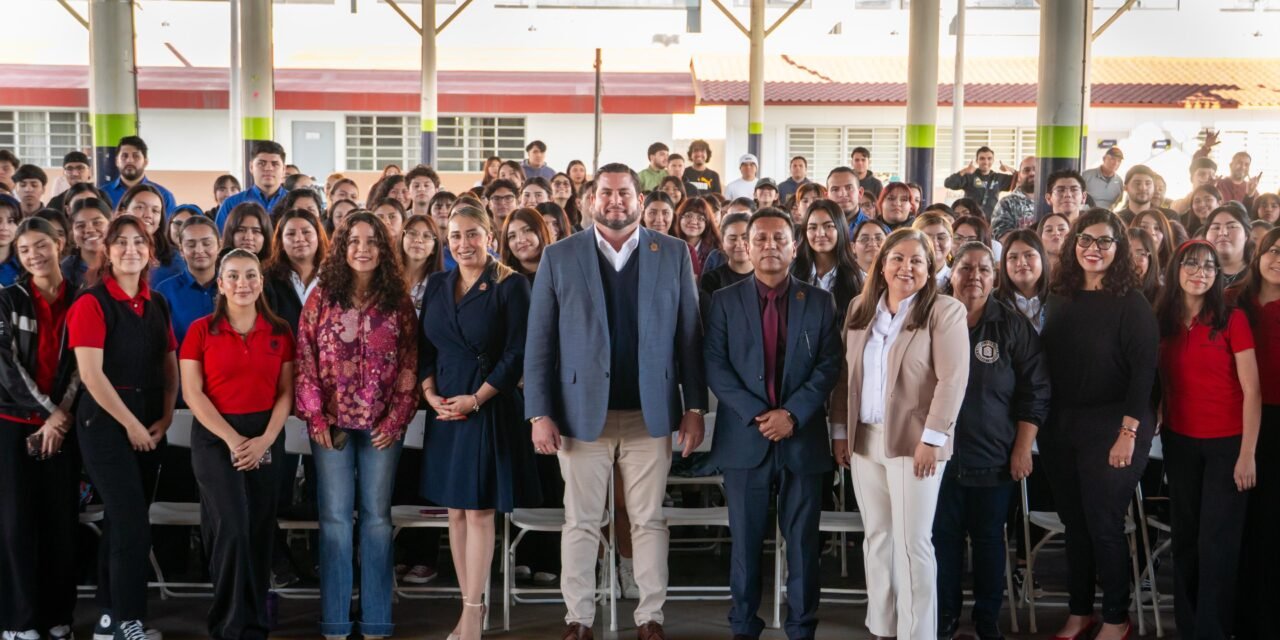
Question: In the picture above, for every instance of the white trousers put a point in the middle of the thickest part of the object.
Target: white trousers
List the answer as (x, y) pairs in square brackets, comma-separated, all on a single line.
[(897, 512), (587, 467)]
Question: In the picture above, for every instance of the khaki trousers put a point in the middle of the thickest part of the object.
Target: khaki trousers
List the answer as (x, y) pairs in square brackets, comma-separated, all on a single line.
[(644, 462), (897, 512)]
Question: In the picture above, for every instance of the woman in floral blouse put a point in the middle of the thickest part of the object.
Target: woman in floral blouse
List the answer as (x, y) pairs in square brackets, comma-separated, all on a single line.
[(357, 359)]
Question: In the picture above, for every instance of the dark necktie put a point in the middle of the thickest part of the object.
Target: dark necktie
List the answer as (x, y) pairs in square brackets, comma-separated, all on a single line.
[(769, 323)]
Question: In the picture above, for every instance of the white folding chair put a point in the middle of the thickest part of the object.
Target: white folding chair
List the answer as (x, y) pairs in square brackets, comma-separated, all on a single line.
[(1152, 522), (552, 521), (178, 514), (297, 441)]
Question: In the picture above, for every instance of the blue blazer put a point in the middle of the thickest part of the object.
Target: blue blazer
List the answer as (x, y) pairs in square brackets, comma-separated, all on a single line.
[(567, 356), (735, 371)]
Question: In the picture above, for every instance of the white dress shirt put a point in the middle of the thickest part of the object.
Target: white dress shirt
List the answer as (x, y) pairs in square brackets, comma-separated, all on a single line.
[(884, 329), (826, 282), (1032, 308), (618, 258), (302, 289)]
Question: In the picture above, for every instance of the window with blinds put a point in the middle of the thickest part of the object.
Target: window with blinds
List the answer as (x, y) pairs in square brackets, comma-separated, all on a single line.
[(829, 147), (463, 142), (1010, 144), (42, 138)]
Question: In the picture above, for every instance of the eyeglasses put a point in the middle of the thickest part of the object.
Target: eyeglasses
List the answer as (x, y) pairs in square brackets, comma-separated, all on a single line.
[(1063, 191), (693, 217), (1104, 243), (960, 239), (1230, 227), (1208, 267)]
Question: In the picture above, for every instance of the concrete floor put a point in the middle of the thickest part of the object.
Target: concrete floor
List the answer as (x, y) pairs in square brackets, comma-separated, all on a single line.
[(181, 619)]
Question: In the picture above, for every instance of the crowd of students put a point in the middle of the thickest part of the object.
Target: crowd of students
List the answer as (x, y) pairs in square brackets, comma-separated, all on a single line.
[(927, 348)]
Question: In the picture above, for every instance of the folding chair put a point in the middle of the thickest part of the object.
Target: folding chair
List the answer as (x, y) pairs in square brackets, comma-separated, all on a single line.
[(297, 441), (1157, 453), (179, 514)]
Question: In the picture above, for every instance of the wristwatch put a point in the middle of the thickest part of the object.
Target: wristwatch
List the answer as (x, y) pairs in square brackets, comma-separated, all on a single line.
[(701, 412), (535, 419)]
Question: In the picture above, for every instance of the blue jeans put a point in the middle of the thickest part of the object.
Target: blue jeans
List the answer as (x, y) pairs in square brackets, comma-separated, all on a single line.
[(362, 469), (979, 512)]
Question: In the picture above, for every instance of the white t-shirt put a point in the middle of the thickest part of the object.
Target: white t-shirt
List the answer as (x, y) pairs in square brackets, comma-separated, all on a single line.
[(740, 189)]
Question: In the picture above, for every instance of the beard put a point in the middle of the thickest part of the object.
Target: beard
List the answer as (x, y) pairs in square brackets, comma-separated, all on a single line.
[(130, 172), (601, 218)]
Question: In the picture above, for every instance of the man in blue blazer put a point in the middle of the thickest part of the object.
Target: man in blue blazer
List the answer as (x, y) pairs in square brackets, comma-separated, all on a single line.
[(612, 363), (773, 356)]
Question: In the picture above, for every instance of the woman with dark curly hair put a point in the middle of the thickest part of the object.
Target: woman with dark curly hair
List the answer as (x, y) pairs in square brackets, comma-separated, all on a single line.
[(357, 361), (1102, 342), (695, 223)]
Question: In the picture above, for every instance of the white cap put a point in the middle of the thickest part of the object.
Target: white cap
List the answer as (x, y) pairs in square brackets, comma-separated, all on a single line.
[(748, 158)]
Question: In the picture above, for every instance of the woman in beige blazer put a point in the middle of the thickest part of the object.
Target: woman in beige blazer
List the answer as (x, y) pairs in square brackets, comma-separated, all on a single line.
[(906, 368)]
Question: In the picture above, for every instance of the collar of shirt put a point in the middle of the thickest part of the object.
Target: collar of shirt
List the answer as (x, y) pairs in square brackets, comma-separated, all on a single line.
[(1032, 308), (889, 324), (259, 324), (826, 281), (117, 293), (618, 258), (189, 281), (779, 291), (302, 289), (58, 298)]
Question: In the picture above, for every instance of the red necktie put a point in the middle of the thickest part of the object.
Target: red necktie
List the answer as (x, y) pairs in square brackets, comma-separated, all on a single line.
[(769, 323)]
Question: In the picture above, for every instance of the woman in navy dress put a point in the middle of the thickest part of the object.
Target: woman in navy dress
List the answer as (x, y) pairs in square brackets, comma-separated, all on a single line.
[(479, 456)]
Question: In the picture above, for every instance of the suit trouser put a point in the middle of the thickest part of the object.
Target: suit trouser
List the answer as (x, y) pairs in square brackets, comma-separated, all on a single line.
[(38, 519), (897, 512), (1208, 525), (237, 517), (979, 514), (799, 509), (587, 468)]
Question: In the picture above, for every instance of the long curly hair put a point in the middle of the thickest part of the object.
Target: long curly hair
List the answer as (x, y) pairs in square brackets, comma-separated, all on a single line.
[(386, 287), (1121, 276)]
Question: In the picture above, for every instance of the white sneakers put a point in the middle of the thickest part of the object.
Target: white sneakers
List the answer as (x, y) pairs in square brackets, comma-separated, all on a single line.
[(627, 577), (29, 634)]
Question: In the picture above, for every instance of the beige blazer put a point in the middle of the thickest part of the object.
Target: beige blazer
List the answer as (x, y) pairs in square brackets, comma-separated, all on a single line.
[(927, 375)]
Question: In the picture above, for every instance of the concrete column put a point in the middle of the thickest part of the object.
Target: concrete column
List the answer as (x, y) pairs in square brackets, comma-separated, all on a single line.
[(958, 161), (755, 108), (257, 78), (113, 87), (428, 109), (922, 94), (1066, 32)]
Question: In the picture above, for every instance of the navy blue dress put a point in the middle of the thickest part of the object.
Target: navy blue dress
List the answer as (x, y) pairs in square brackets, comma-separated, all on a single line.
[(487, 460)]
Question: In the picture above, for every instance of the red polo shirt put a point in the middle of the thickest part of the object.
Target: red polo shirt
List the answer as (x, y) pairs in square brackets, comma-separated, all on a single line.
[(1266, 333), (1202, 394), (87, 327), (50, 317), (240, 374)]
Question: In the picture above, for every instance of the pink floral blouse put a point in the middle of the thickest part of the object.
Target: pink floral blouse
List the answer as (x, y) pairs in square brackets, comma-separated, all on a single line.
[(357, 369)]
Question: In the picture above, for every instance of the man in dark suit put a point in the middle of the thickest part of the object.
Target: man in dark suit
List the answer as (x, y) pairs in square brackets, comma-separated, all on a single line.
[(612, 364), (773, 356)]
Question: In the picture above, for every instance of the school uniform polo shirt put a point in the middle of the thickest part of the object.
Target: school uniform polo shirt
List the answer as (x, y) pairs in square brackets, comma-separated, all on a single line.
[(241, 374), (188, 300), (1202, 395), (87, 325)]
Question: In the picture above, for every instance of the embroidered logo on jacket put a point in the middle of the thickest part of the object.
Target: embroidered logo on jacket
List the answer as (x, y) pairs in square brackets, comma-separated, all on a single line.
[(987, 351)]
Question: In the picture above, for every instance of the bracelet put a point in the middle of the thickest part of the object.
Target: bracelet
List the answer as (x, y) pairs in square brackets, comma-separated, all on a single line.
[(475, 400), (1130, 433)]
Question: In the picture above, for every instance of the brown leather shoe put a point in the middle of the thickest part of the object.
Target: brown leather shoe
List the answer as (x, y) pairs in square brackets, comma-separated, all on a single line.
[(575, 631), (651, 631)]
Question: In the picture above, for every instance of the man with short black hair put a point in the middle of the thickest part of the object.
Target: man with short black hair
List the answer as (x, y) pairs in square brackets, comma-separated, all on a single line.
[(29, 182), (980, 182), (423, 183), (1103, 183), (1203, 171), (675, 165), (653, 174), (503, 197), (75, 169), (860, 162), (9, 163), (799, 169), (267, 169), (131, 162), (1140, 187), (535, 163), (844, 190), (1066, 192), (1018, 209)]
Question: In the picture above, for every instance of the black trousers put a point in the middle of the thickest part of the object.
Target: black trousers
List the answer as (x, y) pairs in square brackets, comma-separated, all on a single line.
[(122, 477), (1208, 523), (1093, 498), (978, 513), (1259, 575), (38, 519), (749, 493), (237, 519)]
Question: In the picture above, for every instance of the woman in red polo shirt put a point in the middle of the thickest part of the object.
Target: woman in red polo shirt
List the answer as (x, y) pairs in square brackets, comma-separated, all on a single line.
[(1259, 586), (237, 377), (39, 479), (132, 384), (1212, 406)]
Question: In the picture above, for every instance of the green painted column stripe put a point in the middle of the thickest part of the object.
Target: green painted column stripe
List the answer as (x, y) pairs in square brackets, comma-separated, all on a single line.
[(428, 125), (755, 128), (257, 128), (1058, 141), (922, 136), (108, 128)]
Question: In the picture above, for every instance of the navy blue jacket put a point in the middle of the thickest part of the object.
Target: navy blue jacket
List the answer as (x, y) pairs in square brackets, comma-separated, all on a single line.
[(734, 353)]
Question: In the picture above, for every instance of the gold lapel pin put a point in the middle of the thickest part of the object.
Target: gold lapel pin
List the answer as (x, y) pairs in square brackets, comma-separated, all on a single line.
[(800, 295), (653, 246)]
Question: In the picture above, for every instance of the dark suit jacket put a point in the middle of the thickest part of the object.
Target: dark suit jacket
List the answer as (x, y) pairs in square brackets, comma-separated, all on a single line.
[(734, 352)]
